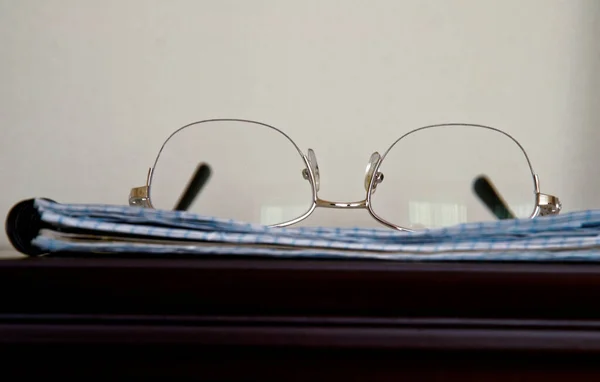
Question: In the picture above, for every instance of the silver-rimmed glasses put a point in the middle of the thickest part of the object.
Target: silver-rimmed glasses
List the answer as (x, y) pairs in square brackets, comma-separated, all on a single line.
[(433, 176)]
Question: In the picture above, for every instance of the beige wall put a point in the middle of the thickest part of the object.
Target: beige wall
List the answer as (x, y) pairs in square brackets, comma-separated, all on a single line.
[(91, 88)]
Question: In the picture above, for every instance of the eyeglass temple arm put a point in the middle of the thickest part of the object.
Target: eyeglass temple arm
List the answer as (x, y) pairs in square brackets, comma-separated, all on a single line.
[(194, 186), (488, 194), (140, 196)]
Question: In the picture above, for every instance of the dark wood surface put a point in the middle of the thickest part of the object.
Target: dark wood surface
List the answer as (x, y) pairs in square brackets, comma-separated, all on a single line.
[(251, 319)]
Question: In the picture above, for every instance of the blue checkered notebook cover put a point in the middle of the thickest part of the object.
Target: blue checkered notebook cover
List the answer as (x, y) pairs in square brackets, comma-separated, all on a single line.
[(120, 229)]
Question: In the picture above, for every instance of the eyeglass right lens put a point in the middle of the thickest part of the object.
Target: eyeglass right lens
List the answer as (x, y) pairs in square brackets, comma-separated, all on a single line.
[(254, 173), (430, 176)]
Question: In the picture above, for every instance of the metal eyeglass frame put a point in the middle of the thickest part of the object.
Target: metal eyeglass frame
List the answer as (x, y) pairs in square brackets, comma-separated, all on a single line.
[(545, 204)]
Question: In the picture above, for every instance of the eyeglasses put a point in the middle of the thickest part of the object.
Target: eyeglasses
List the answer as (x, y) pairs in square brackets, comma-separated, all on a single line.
[(433, 176)]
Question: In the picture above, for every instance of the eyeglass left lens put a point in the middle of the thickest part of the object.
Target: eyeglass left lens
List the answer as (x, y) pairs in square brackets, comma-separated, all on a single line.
[(251, 172)]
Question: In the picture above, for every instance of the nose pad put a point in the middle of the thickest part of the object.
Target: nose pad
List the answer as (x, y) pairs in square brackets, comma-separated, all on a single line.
[(375, 158), (314, 167)]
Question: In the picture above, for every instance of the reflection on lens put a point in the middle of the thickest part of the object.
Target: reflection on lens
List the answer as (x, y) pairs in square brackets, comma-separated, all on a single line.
[(429, 176), (255, 172)]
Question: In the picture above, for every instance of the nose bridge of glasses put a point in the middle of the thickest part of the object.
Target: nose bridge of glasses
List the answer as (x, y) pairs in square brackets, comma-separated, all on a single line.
[(348, 205), (311, 158), (369, 174)]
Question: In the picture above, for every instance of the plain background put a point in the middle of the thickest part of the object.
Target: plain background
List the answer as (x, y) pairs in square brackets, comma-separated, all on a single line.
[(89, 89)]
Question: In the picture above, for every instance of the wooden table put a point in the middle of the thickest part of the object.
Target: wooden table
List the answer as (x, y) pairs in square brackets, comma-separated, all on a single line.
[(258, 319)]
